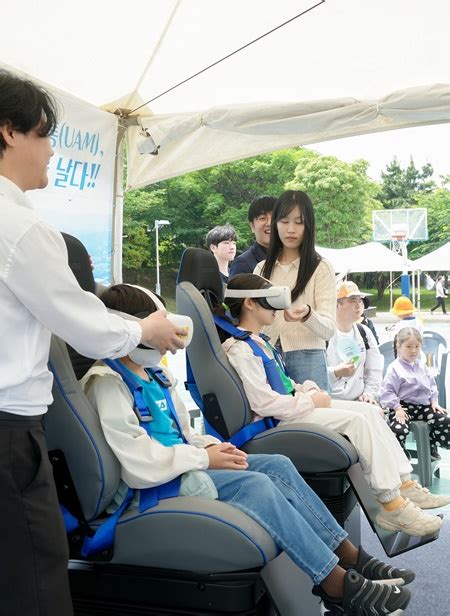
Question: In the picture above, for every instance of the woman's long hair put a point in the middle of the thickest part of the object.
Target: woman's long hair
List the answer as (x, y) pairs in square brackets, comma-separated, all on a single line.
[(309, 258)]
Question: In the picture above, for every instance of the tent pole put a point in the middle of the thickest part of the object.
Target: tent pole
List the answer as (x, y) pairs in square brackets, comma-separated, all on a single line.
[(390, 290), (418, 290), (117, 221)]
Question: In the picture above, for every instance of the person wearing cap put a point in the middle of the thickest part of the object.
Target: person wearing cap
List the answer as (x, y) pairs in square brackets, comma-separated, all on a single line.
[(355, 365), (404, 309), (259, 217)]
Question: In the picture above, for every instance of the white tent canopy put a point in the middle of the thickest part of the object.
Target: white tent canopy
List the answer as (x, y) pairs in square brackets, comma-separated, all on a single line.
[(346, 56), (370, 257), (343, 68), (436, 261)]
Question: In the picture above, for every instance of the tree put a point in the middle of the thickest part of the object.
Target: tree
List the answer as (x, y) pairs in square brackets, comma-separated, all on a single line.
[(400, 188), (343, 197), (196, 202), (437, 204)]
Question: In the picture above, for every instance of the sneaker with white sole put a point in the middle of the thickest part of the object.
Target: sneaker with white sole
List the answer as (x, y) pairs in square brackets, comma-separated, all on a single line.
[(379, 572), (409, 519), (423, 498), (362, 596)]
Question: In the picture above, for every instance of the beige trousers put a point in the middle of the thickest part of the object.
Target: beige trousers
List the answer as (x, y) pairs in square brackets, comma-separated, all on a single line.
[(382, 459)]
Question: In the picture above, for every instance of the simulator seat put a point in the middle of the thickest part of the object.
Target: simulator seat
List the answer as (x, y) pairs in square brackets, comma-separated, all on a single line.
[(187, 555), (326, 460), (321, 455)]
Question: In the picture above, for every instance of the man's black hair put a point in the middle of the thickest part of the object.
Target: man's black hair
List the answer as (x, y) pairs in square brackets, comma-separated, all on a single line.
[(259, 206), (221, 233), (25, 106)]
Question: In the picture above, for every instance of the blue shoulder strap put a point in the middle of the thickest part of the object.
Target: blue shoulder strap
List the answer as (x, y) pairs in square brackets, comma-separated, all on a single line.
[(247, 432), (149, 497), (270, 365)]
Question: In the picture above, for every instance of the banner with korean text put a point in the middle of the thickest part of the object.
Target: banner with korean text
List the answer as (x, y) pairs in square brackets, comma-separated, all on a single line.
[(80, 193)]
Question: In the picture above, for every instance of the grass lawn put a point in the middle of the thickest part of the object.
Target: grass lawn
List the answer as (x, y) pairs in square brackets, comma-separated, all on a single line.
[(427, 299)]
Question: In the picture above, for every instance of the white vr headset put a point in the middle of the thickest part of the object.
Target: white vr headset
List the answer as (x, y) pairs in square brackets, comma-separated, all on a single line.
[(147, 356), (272, 298)]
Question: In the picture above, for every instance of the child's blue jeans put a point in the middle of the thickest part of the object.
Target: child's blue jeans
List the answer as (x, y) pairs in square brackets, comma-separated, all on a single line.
[(273, 493)]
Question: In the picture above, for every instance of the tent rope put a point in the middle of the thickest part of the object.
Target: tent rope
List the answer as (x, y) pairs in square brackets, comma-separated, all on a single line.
[(206, 68)]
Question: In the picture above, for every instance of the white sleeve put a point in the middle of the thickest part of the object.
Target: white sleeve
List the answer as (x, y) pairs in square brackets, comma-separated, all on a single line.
[(145, 462), (262, 399), (373, 366), (39, 276)]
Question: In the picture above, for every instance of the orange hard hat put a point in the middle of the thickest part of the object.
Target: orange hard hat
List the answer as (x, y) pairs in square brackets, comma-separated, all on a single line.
[(403, 305)]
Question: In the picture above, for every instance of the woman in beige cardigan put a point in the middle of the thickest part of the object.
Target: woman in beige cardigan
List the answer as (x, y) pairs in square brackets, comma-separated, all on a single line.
[(302, 331)]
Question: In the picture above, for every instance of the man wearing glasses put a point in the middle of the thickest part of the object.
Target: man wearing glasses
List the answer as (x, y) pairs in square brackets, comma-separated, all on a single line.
[(259, 217), (355, 365)]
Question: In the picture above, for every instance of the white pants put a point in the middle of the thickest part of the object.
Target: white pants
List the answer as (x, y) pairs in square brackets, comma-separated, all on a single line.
[(381, 457)]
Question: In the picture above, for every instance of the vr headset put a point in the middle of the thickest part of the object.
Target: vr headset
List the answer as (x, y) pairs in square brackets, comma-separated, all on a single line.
[(147, 356), (272, 298)]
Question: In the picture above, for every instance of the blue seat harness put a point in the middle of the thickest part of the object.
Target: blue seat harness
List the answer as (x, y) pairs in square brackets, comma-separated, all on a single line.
[(249, 431), (103, 536)]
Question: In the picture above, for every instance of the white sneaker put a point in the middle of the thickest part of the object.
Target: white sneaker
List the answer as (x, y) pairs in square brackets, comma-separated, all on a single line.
[(410, 519), (423, 498)]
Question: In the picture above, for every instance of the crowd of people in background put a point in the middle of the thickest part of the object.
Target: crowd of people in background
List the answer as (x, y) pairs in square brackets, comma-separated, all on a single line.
[(326, 337)]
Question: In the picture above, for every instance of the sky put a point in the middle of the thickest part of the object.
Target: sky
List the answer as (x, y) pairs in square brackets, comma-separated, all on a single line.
[(426, 144)]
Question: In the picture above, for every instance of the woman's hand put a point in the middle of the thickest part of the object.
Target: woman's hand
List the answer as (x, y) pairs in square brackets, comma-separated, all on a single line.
[(401, 415), (226, 455), (438, 408), (321, 399), (296, 313), (344, 369)]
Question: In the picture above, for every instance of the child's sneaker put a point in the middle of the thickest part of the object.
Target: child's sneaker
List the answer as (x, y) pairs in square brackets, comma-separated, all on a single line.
[(409, 519), (362, 596), (423, 498), (378, 571)]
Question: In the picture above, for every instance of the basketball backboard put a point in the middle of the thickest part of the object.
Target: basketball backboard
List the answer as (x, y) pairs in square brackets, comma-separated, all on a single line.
[(406, 224)]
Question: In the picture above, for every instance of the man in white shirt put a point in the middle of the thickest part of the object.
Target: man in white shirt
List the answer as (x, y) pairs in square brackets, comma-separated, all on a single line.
[(355, 365), (441, 294), (39, 295)]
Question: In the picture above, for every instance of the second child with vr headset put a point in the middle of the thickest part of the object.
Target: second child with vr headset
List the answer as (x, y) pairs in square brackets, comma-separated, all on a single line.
[(252, 302)]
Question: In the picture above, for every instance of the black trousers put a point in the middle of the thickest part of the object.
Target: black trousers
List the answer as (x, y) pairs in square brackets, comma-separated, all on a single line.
[(33, 544), (440, 301), (439, 424)]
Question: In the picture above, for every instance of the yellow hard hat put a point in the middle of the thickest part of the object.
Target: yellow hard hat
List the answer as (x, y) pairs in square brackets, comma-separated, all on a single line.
[(403, 305)]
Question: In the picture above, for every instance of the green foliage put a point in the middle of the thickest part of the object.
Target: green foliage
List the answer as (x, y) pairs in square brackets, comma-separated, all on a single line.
[(437, 204), (198, 201), (343, 197), (400, 188)]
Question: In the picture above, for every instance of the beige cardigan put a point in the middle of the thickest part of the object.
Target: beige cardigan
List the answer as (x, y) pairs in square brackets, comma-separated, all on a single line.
[(320, 294)]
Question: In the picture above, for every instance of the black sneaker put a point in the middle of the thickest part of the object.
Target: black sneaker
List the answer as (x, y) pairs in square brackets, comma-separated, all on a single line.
[(365, 598), (378, 571), (434, 452)]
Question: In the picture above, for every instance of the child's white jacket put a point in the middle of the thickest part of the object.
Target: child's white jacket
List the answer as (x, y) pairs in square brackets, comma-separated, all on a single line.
[(263, 400), (144, 461)]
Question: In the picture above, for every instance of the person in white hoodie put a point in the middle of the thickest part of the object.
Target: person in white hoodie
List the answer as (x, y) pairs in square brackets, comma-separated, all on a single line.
[(355, 364), (267, 488)]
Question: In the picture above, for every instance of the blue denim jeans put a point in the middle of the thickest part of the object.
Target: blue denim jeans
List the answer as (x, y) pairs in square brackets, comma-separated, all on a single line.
[(307, 364), (273, 493)]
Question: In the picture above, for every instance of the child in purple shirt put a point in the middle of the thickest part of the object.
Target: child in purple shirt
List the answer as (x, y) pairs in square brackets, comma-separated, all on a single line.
[(409, 391)]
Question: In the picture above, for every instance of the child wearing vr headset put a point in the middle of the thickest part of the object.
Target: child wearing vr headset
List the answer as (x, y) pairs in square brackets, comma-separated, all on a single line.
[(267, 488), (252, 302)]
